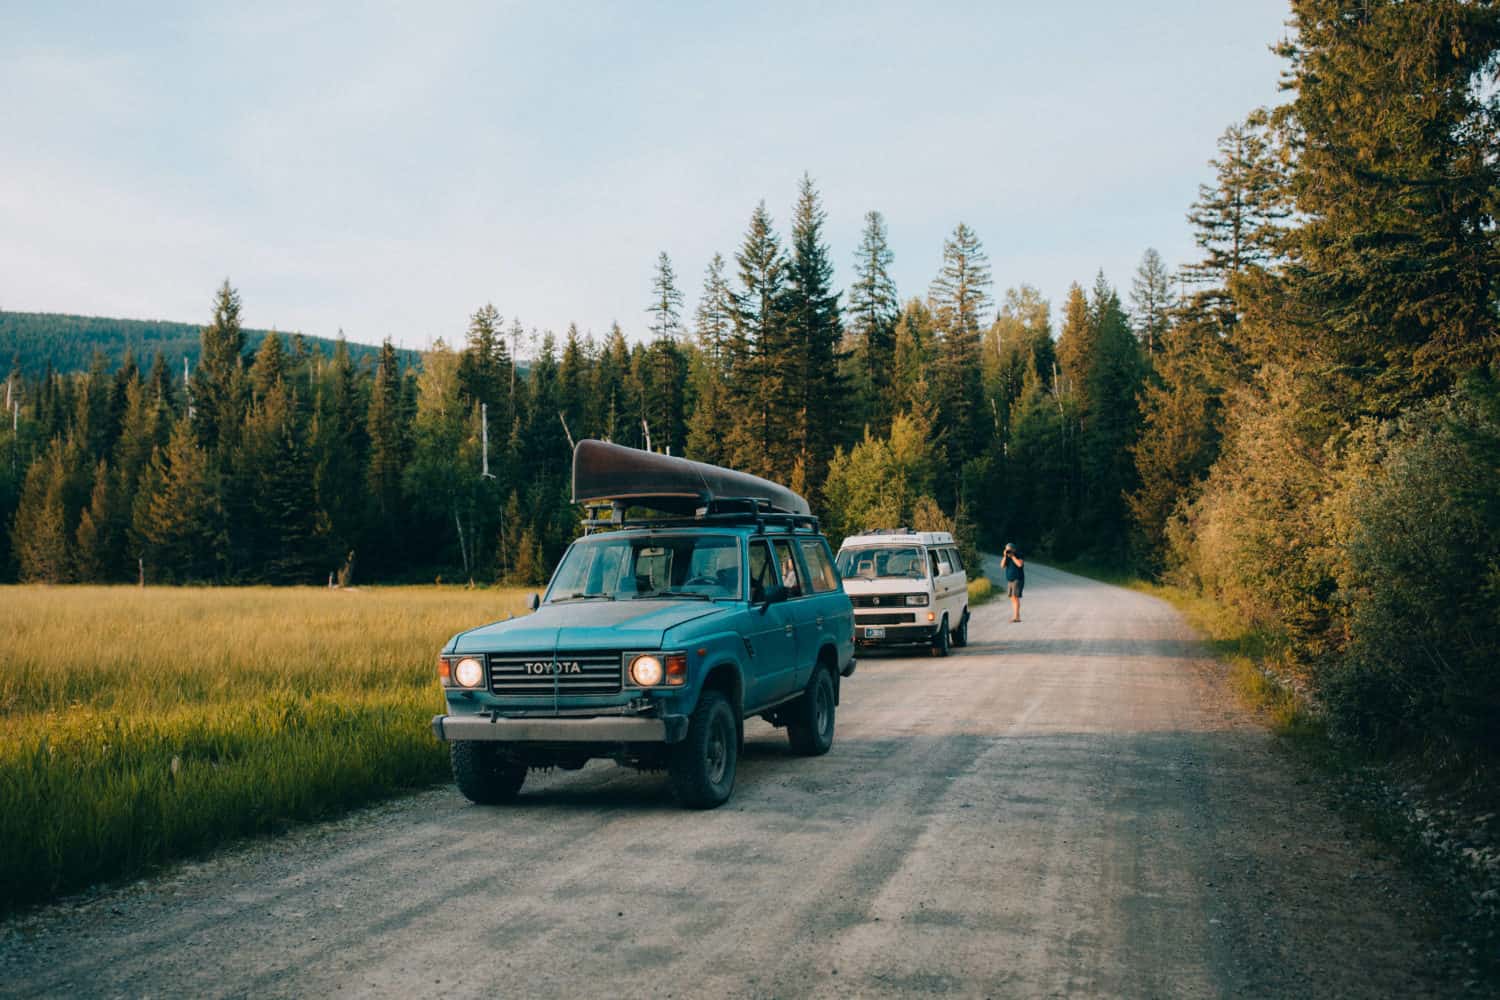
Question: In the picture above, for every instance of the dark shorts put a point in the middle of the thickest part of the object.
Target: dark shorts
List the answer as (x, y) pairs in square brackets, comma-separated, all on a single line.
[(1013, 587)]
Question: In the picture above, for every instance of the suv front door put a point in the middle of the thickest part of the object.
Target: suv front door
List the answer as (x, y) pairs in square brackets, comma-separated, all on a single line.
[(772, 636)]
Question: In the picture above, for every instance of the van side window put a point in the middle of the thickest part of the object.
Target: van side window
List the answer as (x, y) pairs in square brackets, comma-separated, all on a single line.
[(932, 559), (944, 566), (818, 566), (958, 564)]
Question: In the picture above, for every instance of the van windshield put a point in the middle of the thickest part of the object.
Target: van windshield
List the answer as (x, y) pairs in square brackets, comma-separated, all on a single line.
[(875, 563), (626, 567)]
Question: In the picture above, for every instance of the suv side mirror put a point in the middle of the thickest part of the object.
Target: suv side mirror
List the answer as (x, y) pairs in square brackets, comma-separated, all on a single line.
[(534, 601), (775, 594)]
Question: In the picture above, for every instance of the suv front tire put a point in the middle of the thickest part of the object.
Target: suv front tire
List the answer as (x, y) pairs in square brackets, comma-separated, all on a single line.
[(702, 766), (483, 773)]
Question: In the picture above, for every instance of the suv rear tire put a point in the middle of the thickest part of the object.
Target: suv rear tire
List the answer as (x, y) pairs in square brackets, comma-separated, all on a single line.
[(483, 774), (810, 720), (940, 641), (702, 766)]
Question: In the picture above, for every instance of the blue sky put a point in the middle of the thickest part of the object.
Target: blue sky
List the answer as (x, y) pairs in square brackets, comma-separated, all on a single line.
[(388, 168)]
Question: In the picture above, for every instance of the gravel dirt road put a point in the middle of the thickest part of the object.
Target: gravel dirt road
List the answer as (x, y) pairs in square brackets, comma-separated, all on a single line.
[(1071, 806)]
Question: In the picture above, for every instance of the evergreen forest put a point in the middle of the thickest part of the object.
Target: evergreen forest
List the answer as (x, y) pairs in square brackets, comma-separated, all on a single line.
[(1302, 423)]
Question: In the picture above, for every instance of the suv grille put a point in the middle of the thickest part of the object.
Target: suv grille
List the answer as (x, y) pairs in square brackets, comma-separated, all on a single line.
[(597, 672), (880, 600)]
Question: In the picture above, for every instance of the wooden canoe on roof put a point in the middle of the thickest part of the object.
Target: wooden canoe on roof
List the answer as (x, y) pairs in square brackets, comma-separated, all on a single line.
[(603, 472)]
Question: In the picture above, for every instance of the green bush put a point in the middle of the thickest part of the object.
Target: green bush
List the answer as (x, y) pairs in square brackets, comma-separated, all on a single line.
[(1419, 580)]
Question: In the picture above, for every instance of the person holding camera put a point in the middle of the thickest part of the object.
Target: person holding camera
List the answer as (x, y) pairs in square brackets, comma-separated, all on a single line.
[(1015, 578)]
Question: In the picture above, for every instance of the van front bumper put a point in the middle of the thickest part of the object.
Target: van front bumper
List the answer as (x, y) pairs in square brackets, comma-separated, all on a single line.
[(896, 635), (595, 729)]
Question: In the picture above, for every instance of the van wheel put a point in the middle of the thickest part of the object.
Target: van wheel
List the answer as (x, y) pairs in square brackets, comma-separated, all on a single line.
[(940, 641), (484, 775), (702, 766), (961, 635), (809, 726)]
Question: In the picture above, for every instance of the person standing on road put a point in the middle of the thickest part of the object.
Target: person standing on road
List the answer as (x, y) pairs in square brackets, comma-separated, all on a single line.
[(1015, 578)]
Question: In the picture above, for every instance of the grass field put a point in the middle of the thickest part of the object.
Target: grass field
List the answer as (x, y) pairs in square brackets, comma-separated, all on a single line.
[(137, 726)]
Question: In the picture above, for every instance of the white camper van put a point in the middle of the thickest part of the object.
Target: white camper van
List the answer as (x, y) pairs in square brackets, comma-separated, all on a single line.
[(907, 587)]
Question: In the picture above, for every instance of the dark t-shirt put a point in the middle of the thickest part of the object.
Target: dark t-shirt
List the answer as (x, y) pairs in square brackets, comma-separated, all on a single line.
[(1014, 572)]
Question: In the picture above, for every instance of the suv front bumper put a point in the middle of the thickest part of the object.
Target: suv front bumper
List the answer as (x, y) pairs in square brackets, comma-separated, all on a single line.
[(595, 729)]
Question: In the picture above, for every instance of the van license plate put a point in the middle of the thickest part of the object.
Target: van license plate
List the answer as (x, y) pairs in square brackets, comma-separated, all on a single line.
[(874, 633)]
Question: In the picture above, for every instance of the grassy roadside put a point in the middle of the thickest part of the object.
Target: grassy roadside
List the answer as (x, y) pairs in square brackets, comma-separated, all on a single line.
[(1395, 803), (139, 726)]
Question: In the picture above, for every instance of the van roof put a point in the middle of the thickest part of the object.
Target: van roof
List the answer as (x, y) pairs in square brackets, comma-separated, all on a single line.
[(898, 536)]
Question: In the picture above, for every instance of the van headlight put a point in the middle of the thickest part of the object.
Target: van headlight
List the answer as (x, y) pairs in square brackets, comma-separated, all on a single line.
[(468, 672), (916, 600)]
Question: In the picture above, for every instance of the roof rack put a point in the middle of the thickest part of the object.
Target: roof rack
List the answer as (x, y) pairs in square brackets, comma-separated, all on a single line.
[(718, 511)]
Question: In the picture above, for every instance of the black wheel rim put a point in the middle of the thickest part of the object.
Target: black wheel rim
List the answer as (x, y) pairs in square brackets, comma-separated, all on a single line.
[(716, 753)]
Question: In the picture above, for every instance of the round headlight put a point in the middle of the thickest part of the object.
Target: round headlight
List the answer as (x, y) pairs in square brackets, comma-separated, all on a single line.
[(469, 672), (646, 671)]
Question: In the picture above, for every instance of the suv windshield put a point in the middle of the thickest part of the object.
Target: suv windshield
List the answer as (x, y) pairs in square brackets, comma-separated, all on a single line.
[(624, 568), (874, 563)]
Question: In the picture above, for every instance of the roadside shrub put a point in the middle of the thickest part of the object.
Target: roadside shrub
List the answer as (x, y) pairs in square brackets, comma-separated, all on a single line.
[(1418, 529), (1256, 538)]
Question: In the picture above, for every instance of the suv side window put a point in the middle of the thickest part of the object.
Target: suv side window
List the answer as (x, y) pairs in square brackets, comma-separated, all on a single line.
[(944, 563), (791, 573), (819, 566), (762, 570)]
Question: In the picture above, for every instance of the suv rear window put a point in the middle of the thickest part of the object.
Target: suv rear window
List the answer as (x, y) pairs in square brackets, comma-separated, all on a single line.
[(818, 566)]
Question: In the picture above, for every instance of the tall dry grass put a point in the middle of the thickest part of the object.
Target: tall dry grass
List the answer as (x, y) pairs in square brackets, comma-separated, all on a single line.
[(138, 726)]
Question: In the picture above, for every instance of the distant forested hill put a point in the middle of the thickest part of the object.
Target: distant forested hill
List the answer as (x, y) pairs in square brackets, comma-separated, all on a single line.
[(68, 342)]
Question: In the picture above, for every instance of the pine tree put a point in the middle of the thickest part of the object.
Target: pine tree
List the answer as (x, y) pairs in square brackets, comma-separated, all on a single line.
[(484, 366), (338, 449), (388, 428), (1181, 430), (219, 389), (960, 297), (287, 546), (1237, 220), (1112, 382), (666, 299), (713, 327), (1151, 295), (814, 335), (270, 367), (52, 498), (100, 536), (916, 335), (1019, 340), (761, 380), (573, 377), (1075, 346), (1394, 269), (179, 517), (873, 311)]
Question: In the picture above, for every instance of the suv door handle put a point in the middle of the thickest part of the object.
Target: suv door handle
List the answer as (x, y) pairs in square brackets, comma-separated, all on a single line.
[(791, 630), (820, 620)]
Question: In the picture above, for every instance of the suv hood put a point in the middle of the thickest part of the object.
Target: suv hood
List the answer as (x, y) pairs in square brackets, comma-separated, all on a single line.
[(582, 625)]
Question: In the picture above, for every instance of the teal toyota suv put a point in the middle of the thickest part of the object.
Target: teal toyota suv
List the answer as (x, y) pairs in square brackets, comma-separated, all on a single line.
[(659, 635)]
